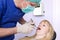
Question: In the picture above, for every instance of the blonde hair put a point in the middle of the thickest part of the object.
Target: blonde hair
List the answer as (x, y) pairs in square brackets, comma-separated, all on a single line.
[(49, 35)]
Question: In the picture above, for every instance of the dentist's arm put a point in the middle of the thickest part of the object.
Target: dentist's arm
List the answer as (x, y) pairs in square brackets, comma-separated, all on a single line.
[(24, 28), (7, 31), (22, 21)]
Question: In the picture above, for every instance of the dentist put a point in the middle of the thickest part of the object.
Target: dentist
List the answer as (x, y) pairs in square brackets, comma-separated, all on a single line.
[(11, 12)]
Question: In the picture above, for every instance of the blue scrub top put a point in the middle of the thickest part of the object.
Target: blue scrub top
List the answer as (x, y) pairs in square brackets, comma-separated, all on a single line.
[(9, 15)]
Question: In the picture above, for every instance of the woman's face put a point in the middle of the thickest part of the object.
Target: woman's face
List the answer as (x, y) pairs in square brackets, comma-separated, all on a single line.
[(43, 28)]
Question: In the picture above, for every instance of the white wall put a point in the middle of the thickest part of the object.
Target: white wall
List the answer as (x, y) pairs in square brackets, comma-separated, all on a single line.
[(56, 17)]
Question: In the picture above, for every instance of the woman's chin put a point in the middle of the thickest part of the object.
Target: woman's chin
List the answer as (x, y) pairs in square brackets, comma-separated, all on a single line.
[(40, 32)]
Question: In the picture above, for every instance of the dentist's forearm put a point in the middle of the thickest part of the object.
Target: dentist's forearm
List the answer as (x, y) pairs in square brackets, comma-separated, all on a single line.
[(22, 21), (7, 31)]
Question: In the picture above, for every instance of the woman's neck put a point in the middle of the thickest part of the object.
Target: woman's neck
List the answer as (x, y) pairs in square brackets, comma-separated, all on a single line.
[(40, 36), (37, 37)]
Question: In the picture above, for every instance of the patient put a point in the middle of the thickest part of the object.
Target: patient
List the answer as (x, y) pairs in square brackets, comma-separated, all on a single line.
[(44, 31)]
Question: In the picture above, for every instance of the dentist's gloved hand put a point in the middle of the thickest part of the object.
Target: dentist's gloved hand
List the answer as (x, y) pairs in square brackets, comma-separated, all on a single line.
[(26, 28)]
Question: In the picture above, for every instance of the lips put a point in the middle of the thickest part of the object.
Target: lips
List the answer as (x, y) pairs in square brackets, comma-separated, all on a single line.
[(38, 28)]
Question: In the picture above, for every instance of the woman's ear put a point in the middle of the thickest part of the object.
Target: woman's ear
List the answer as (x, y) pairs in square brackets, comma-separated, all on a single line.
[(54, 36)]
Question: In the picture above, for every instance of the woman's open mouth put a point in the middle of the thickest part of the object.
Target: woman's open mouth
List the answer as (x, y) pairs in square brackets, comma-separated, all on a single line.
[(38, 28)]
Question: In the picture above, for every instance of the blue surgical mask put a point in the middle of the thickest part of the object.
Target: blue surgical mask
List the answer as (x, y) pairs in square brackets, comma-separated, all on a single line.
[(28, 9)]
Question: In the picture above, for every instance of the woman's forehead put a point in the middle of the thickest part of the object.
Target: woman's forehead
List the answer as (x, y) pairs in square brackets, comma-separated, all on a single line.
[(43, 24)]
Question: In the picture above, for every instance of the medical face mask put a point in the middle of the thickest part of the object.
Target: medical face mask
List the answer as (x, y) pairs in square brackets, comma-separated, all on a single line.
[(35, 1), (28, 9)]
